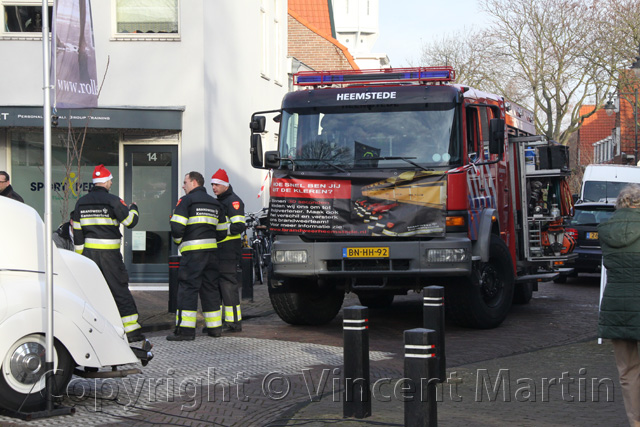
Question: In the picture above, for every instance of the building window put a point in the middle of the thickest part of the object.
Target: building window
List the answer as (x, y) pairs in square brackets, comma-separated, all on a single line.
[(264, 30), (147, 17), (604, 150), (27, 167), (276, 44), (24, 16)]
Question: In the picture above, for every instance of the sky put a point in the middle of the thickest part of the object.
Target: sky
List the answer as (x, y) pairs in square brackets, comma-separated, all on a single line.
[(404, 26)]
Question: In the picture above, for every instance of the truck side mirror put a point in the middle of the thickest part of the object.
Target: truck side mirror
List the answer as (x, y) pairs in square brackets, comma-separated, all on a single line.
[(258, 124), (272, 160), (256, 150), (496, 136)]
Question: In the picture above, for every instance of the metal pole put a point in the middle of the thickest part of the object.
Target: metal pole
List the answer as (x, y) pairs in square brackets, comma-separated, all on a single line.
[(635, 120), (433, 318), (357, 401), (420, 406), (247, 268), (48, 249)]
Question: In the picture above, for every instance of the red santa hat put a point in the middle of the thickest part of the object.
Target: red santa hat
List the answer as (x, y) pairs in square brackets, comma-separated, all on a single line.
[(220, 177), (101, 174)]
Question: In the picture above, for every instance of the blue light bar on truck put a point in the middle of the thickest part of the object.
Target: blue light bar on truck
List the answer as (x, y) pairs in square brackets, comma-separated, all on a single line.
[(385, 75)]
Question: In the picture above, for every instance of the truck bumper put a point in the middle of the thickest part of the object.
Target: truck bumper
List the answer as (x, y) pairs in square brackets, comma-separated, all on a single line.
[(450, 256)]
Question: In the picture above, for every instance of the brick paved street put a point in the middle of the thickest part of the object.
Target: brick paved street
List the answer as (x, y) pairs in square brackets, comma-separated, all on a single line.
[(276, 374)]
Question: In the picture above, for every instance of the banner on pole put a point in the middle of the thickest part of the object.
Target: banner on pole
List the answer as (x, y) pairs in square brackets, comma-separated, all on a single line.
[(74, 56)]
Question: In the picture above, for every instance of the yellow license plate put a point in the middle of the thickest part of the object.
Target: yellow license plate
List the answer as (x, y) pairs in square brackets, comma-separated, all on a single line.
[(365, 252), (593, 235)]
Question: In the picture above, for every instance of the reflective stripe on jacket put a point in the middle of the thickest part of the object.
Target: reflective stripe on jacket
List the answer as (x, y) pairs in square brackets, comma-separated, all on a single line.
[(97, 218), (197, 222), (234, 210)]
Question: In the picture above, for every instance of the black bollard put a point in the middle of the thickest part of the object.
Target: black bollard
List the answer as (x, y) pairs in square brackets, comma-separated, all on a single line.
[(356, 396), (246, 264), (433, 318), (174, 265), (420, 406)]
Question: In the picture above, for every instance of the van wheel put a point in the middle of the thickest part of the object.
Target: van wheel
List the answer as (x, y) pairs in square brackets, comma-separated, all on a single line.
[(22, 379), (303, 302), (483, 300)]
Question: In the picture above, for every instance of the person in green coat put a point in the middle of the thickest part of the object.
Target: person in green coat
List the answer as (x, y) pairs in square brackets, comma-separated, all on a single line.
[(619, 318)]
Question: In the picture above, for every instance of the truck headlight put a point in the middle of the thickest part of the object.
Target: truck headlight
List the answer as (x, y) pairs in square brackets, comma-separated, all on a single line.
[(447, 255), (290, 257)]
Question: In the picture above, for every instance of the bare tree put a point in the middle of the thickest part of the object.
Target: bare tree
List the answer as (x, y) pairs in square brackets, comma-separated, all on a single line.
[(468, 53), (552, 56), (74, 145)]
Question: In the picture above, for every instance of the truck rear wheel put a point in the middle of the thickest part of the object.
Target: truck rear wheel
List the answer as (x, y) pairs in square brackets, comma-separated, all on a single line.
[(22, 382), (303, 302), (483, 300)]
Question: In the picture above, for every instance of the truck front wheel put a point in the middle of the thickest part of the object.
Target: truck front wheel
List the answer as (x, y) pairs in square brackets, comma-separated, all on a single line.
[(304, 302), (22, 379), (483, 300)]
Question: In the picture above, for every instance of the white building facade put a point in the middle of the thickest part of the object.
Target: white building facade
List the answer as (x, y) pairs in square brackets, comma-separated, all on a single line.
[(356, 26), (179, 81)]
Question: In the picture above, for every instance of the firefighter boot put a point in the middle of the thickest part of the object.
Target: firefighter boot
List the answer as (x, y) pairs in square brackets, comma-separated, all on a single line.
[(214, 332), (232, 327), (182, 334), (135, 336)]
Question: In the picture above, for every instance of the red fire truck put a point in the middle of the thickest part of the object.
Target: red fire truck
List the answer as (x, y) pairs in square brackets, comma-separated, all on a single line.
[(387, 181)]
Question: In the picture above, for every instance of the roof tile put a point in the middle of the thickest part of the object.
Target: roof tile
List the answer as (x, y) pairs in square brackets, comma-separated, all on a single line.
[(315, 12)]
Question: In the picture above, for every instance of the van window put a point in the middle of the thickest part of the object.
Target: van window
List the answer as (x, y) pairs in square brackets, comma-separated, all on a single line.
[(601, 191)]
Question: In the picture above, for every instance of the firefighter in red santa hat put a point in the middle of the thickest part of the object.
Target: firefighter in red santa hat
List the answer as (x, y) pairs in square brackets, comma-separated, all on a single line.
[(96, 235), (230, 250)]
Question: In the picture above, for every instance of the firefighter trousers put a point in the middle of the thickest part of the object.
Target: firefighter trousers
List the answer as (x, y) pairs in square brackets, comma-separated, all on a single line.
[(198, 275), (115, 273), (230, 289)]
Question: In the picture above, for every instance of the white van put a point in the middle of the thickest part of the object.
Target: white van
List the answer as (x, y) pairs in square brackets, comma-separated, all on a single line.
[(602, 183)]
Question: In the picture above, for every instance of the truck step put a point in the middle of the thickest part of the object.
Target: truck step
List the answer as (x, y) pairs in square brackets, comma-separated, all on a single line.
[(541, 277)]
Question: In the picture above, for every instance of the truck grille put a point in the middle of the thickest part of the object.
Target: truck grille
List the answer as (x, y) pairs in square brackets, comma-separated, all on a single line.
[(369, 265)]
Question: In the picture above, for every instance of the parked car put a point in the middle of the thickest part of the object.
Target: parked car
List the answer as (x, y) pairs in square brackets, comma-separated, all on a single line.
[(89, 338), (583, 227)]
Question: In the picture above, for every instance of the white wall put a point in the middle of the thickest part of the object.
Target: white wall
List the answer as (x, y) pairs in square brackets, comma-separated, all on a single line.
[(356, 24), (236, 89), (213, 72)]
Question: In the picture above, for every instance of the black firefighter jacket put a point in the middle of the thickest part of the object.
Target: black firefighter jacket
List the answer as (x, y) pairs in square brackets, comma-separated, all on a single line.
[(231, 247), (198, 222), (97, 218)]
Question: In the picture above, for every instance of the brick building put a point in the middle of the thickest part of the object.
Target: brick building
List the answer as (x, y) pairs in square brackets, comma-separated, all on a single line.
[(609, 135), (595, 129), (311, 37), (625, 118)]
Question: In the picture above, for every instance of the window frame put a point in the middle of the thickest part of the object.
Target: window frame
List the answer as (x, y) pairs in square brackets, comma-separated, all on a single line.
[(116, 36), (9, 35)]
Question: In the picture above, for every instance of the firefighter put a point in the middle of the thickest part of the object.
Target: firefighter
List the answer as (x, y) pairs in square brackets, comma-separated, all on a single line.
[(96, 234), (230, 250), (197, 224)]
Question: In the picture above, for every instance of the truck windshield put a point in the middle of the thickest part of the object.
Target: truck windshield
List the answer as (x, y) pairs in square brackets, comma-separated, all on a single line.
[(362, 138)]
